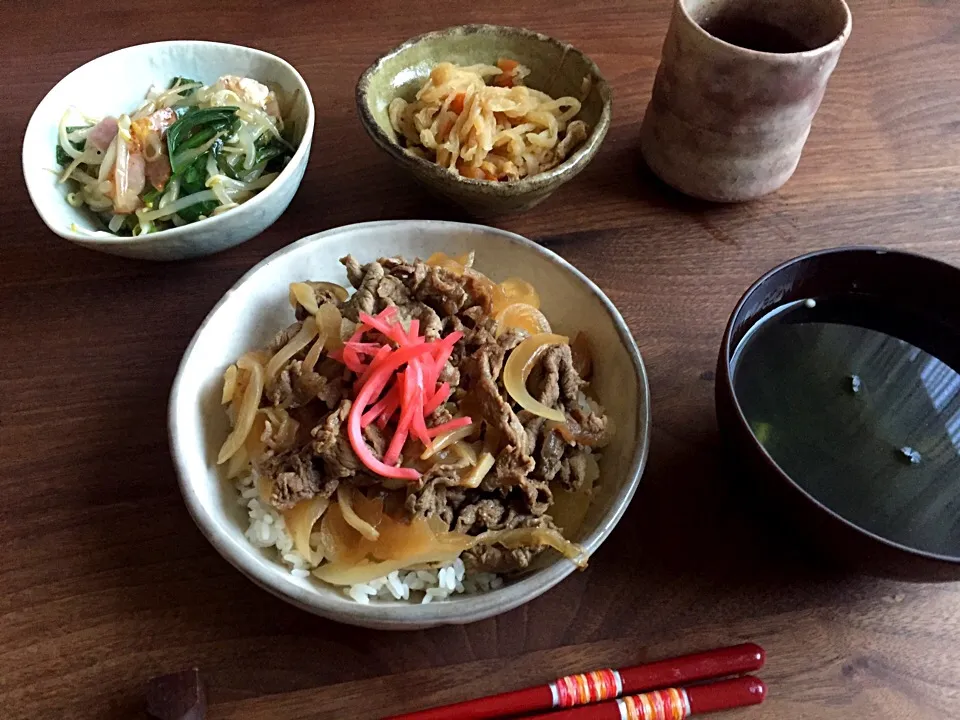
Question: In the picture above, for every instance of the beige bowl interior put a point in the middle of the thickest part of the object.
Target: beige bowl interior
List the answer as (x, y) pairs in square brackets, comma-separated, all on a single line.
[(257, 307)]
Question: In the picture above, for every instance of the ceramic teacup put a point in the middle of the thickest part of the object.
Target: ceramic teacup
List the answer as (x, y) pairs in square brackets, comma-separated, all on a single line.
[(738, 85)]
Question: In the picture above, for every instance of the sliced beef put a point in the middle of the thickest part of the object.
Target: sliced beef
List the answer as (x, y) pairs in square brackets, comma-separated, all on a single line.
[(483, 368), (510, 339), (390, 282), (439, 416), (412, 274), (322, 295), (365, 298), (392, 291), (497, 559), (513, 465), (430, 323), (549, 454), (532, 425), (534, 496), (294, 477), (355, 270), (443, 291), (479, 291), (375, 439), (282, 338), (573, 470), (484, 514), (559, 378), (449, 373), (294, 388), (437, 493), (331, 444), (592, 426), (279, 433)]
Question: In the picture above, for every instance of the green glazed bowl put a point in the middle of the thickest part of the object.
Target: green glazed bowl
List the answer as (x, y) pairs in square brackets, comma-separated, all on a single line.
[(557, 69)]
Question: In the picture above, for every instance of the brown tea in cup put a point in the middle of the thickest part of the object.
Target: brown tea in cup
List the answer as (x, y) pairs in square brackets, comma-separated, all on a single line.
[(753, 34)]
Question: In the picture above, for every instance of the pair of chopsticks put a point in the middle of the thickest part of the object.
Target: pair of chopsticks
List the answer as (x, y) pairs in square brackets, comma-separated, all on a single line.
[(633, 693)]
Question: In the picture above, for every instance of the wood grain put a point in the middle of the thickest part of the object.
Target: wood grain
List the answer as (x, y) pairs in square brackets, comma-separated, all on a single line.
[(106, 582)]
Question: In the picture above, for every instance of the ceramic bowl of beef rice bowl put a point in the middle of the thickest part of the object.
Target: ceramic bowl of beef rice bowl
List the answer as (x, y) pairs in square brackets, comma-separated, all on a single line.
[(412, 423)]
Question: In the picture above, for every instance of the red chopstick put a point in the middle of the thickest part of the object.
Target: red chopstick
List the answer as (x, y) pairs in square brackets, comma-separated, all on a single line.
[(671, 704), (598, 685)]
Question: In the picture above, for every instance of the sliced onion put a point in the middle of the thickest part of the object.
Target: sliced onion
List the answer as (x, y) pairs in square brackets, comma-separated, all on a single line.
[(264, 487), (347, 497), (516, 290), (520, 316), (446, 439), (109, 160), (301, 293), (465, 451), (254, 444), (329, 322), (284, 428), (527, 537), (401, 540), (300, 520), (444, 261), (518, 367), (238, 463), (229, 384), (341, 543), (306, 333), (477, 474), (248, 408), (338, 291), (313, 354), (351, 574)]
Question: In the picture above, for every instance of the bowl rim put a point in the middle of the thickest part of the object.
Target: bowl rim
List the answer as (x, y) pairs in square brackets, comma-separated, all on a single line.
[(726, 349), (505, 188), (93, 238), (831, 46), (460, 609)]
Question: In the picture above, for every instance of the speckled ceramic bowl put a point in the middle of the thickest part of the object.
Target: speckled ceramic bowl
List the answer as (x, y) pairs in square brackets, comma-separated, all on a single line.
[(252, 310), (132, 71), (556, 68)]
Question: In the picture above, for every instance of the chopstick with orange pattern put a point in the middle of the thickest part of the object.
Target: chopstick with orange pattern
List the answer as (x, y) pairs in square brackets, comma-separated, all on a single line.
[(599, 685)]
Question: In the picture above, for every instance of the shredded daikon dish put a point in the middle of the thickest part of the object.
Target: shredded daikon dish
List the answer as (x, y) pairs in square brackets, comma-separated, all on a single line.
[(481, 121), (188, 152)]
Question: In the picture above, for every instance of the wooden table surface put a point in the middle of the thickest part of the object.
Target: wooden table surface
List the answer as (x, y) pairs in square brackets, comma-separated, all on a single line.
[(105, 581)]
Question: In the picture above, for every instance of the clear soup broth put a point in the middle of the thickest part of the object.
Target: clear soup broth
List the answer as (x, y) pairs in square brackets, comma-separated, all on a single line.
[(859, 404)]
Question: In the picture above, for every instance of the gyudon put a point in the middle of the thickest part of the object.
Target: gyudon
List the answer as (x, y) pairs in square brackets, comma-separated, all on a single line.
[(423, 436)]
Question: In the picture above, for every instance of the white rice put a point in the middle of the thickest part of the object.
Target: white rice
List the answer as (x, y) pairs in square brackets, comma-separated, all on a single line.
[(268, 530)]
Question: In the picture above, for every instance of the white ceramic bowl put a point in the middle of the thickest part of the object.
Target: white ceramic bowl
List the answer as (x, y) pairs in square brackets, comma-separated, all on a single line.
[(118, 82), (256, 307)]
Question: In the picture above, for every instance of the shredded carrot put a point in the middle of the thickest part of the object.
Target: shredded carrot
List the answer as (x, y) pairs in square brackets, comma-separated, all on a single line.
[(457, 103), (474, 173)]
